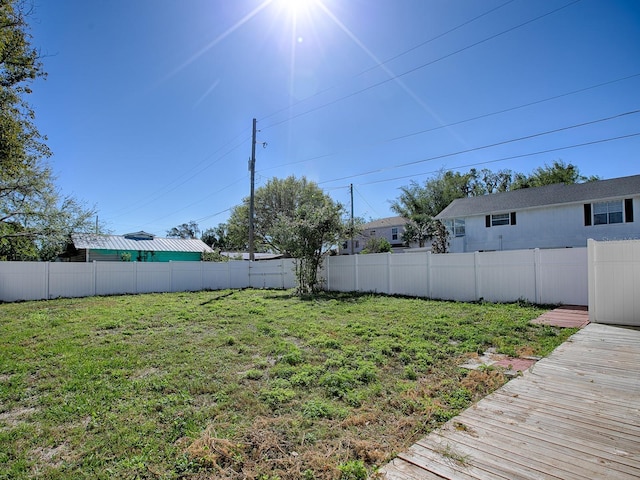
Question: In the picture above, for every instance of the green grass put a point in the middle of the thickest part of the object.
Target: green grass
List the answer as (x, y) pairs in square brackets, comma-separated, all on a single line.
[(239, 384)]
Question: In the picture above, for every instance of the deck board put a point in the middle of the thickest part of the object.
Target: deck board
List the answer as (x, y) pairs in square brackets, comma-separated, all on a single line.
[(573, 415)]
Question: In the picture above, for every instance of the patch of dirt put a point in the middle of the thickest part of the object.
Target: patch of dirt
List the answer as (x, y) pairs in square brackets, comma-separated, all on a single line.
[(13, 417), (46, 458), (144, 373)]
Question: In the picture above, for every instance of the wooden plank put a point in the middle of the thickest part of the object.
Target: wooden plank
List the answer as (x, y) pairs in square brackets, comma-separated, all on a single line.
[(619, 426), (439, 462), (399, 469), (569, 444), (487, 455), (574, 415)]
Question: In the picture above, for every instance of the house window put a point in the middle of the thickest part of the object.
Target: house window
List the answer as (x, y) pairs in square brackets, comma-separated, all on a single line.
[(357, 243), (394, 233), (455, 227), (345, 245), (607, 212), (499, 219)]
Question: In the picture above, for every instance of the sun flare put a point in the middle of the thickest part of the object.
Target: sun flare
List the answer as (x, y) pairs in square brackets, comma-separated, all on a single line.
[(295, 7)]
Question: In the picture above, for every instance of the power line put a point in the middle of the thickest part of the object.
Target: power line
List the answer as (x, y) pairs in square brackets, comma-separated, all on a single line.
[(513, 157), (424, 65), (459, 122), (484, 147)]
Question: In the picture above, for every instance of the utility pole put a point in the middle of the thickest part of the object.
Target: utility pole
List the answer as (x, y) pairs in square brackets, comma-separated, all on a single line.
[(351, 188), (252, 168)]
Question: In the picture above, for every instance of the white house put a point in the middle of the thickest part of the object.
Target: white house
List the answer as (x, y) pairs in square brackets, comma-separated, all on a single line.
[(552, 216), (390, 228)]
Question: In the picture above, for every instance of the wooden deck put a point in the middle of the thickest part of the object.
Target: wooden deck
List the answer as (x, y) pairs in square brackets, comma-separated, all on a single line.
[(573, 415), (567, 317)]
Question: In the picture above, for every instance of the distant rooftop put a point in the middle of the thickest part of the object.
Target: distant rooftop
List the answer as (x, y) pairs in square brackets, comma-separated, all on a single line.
[(137, 241)]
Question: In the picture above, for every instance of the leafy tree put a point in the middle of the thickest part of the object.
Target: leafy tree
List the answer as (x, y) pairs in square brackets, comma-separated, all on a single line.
[(316, 225), (557, 172), (35, 218), (185, 230), (217, 237), (377, 245), (293, 216), (440, 235), (413, 204)]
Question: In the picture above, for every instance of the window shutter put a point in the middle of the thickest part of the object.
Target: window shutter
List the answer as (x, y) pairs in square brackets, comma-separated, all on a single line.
[(513, 218), (587, 214), (628, 210), (487, 221)]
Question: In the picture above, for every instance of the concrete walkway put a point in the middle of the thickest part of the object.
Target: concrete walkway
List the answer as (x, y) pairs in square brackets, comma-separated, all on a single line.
[(573, 415)]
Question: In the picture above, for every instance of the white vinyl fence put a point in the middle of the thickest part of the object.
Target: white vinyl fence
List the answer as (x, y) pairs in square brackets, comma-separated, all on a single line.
[(614, 282), (554, 276), (44, 280)]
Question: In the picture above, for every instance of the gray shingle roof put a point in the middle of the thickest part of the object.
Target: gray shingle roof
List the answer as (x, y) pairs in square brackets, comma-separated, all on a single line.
[(117, 242), (548, 195), (386, 222)]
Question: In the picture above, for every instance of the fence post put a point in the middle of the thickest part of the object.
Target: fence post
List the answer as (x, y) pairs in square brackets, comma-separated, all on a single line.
[(537, 274), (356, 285), (389, 291), (48, 280), (592, 247), (95, 278), (429, 276), (476, 276)]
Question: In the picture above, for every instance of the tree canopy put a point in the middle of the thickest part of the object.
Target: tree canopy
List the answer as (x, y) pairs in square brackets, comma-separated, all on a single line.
[(293, 216), (186, 230), (35, 218)]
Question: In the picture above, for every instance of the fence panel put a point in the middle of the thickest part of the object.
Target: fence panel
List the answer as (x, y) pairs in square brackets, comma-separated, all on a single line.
[(153, 277), (268, 274), (340, 273), (186, 276), (115, 278), (563, 277), (215, 275), (614, 282), (238, 274), (409, 274), (506, 276), (452, 277), (23, 281), (373, 273), (70, 280)]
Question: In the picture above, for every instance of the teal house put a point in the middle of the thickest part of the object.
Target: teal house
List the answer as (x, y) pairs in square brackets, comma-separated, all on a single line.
[(133, 247)]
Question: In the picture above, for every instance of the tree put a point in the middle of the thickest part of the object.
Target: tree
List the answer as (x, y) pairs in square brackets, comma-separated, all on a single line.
[(292, 216), (216, 238), (185, 230), (377, 245), (440, 235), (413, 204), (35, 218), (419, 204), (557, 172), (316, 225)]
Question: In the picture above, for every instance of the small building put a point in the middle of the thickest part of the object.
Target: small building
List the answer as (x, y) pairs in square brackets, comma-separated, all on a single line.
[(390, 228), (133, 247), (551, 216)]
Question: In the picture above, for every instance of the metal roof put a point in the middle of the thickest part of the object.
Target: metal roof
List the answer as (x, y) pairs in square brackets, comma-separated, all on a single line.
[(547, 195), (117, 242)]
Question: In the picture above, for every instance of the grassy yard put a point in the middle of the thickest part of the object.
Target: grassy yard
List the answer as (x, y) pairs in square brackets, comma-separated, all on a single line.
[(240, 384)]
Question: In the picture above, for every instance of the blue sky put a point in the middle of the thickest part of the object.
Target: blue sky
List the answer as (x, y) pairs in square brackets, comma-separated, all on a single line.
[(148, 104)]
